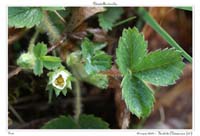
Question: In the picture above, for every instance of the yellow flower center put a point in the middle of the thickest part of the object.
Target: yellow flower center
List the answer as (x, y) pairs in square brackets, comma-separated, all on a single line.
[(59, 81)]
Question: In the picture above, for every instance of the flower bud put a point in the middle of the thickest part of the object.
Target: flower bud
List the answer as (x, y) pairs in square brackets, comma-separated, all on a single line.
[(26, 61)]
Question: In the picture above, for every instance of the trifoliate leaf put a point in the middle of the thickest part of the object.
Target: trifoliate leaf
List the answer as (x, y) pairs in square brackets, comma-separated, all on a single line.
[(40, 50), (38, 68), (51, 62), (61, 122), (20, 17), (138, 97), (53, 8), (162, 67), (92, 122), (131, 50), (95, 60), (109, 17)]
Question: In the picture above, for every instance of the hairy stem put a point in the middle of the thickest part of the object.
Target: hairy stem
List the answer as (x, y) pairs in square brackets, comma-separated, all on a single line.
[(32, 41), (50, 29), (77, 100)]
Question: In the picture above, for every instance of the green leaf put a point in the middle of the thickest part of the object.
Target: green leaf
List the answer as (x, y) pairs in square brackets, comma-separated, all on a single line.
[(95, 60), (40, 50), (64, 92), (109, 17), (162, 67), (97, 79), (51, 62), (61, 122), (53, 8), (131, 50), (38, 68), (57, 91), (92, 122), (138, 97), (20, 17)]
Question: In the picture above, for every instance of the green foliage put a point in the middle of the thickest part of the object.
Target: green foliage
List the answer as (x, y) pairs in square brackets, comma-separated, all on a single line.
[(138, 97), (53, 8), (131, 50), (28, 17), (162, 67), (96, 79), (20, 17), (95, 60), (38, 68), (61, 122), (40, 50), (109, 17), (85, 122), (92, 122), (49, 62)]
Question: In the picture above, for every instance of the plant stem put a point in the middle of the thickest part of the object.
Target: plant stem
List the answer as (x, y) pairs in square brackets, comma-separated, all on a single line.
[(124, 21), (16, 114), (150, 20), (49, 28), (32, 41), (77, 100)]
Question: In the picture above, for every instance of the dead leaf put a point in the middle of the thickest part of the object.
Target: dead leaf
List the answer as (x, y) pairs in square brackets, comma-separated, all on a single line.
[(79, 15), (176, 22), (15, 34)]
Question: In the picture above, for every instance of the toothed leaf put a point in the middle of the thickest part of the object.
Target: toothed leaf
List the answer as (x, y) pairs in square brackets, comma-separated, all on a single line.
[(40, 50), (95, 60), (20, 17), (92, 122), (162, 67), (51, 62), (109, 17), (132, 48), (138, 97), (61, 122)]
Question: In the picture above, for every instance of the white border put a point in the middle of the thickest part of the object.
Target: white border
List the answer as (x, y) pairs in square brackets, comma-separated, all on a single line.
[(126, 3)]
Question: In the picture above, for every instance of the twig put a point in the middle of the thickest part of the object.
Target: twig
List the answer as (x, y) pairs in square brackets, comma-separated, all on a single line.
[(60, 42), (14, 72), (16, 114), (14, 38)]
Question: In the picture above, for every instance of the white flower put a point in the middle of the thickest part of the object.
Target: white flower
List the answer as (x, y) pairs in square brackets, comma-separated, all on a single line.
[(59, 79)]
